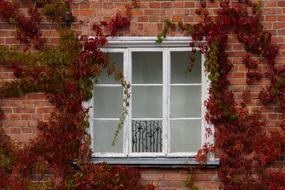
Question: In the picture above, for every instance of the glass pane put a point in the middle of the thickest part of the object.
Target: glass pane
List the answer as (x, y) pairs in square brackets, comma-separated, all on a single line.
[(179, 63), (185, 136), (108, 102), (147, 67), (113, 58), (185, 101), (147, 101), (147, 136), (103, 137)]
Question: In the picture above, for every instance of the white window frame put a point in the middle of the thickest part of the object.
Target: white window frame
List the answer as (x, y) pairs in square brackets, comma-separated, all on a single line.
[(127, 45)]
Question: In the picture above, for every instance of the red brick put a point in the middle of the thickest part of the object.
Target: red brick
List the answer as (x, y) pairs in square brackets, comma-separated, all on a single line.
[(166, 5), (176, 18), (143, 19), (84, 12), (24, 110), (19, 113), (281, 3), (41, 103), (32, 123), (17, 123), (27, 130), (108, 5), (45, 110), (178, 4), (152, 12), (281, 18), (176, 176), (270, 18), (152, 177), (21, 103), (173, 184), (155, 5), (189, 4), (35, 96), (7, 110), (154, 19), (9, 41), (15, 130), (12, 116)]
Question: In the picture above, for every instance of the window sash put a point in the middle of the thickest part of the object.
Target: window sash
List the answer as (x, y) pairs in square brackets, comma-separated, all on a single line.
[(127, 132)]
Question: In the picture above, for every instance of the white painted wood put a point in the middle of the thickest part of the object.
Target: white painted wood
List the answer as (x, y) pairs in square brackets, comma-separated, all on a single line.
[(188, 84), (148, 42), (168, 93), (126, 139), (127, 45), (165, 102), (147, 84), (129, 122), (182, 154), (144, 49), (88, 105), (146, 154), (147, 118), (108, 85), (185, 118), (100, 154), (105, 119), (205, 94)]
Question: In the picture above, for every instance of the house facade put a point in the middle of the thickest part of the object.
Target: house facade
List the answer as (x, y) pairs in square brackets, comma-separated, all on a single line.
[(165, 125)]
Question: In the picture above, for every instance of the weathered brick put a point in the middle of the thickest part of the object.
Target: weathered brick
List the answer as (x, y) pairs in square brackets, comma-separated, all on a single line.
[(155, 5), (147, 21), (24, 110)]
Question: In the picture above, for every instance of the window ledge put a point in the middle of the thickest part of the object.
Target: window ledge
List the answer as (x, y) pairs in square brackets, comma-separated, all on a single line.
[(158, 162)]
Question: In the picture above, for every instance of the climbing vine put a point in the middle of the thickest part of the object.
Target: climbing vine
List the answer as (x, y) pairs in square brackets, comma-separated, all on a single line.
[(64, 73), (248, 151)]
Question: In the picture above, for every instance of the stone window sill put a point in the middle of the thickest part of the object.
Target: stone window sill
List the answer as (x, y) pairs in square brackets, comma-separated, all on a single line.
[(157, 162)]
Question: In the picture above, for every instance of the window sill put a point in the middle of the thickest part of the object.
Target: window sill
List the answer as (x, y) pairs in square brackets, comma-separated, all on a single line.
[(158, 162)]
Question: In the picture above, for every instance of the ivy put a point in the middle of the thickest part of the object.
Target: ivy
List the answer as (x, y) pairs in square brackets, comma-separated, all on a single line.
[(248, 151), (64, 73)]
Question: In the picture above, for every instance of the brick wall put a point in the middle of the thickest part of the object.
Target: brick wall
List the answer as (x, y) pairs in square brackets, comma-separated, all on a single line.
[(23, 113), (175, 179)]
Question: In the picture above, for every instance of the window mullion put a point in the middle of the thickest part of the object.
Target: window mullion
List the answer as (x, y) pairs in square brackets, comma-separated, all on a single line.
[(127, 122), (204, 96), (129, 128), (166, 79)]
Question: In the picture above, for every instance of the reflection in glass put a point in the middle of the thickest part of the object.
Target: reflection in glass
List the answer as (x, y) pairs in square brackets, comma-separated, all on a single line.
[(185, 101), (179, 63), (185, 135), (103, 137), (147, 101), (147, 67), (113, 58), (108, 102)]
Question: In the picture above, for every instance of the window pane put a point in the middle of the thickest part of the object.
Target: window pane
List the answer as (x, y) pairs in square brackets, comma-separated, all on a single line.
[(185, 136), (103, 137), (147, 101), (179, 63), (146, 136), (147, 67), (116, 59), (185, 101), (108, 102)]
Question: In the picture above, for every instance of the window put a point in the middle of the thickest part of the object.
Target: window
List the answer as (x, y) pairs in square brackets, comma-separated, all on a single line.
[(166, 112)]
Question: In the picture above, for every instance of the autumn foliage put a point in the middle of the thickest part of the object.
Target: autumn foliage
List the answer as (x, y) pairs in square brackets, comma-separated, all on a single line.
[(248, 151), (59, 157), (64, 74)]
